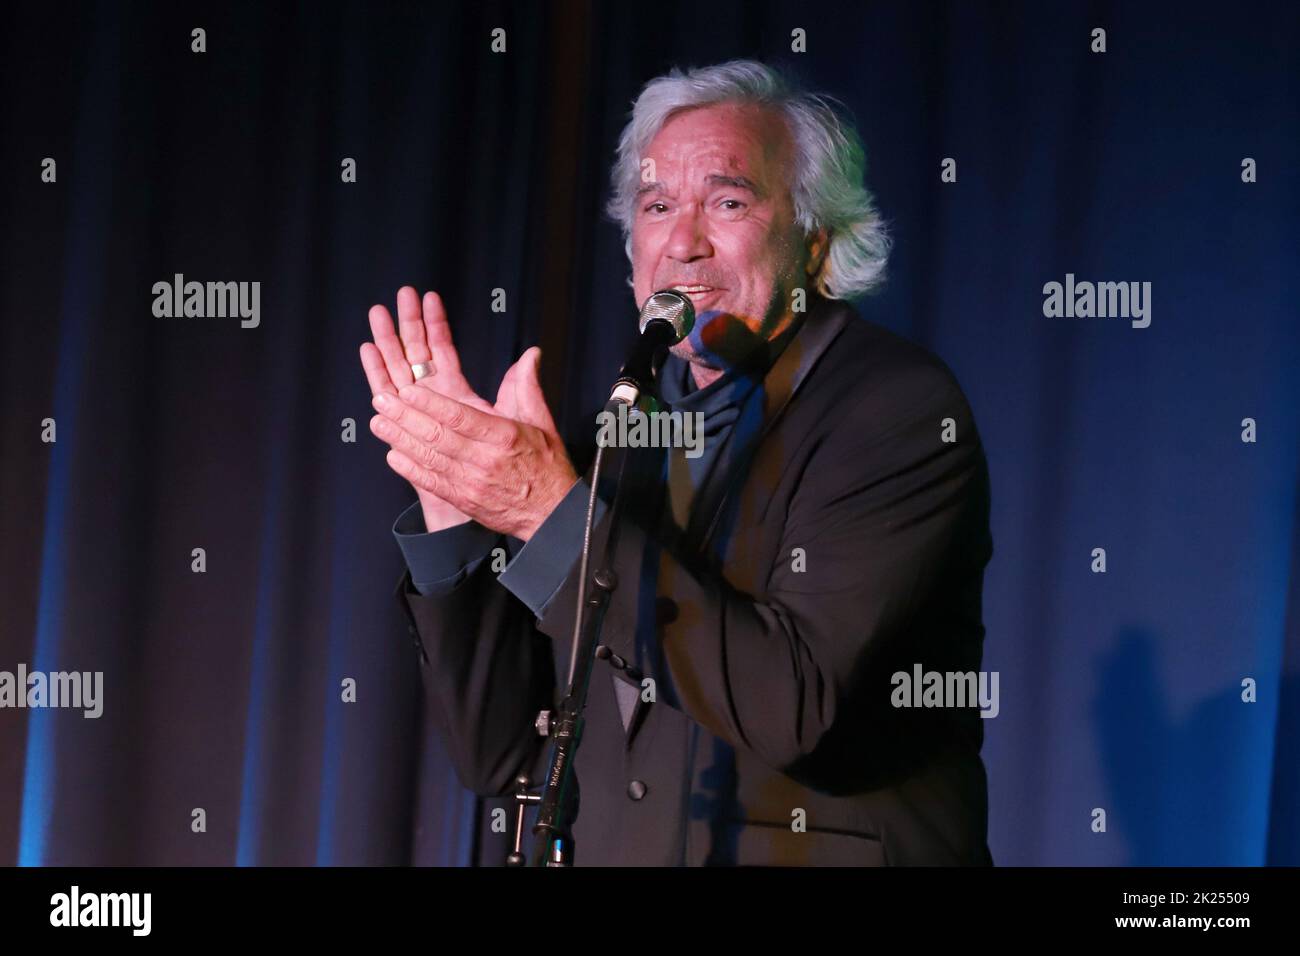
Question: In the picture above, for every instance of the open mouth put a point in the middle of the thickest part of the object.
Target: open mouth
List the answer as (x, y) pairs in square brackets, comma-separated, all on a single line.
[(697, 293)]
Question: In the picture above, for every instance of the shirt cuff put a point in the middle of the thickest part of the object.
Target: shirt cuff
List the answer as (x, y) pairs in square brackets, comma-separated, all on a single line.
[(440, 560), (541, 566)]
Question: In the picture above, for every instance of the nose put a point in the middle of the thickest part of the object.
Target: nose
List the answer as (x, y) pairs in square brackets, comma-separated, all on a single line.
[(688, 239)]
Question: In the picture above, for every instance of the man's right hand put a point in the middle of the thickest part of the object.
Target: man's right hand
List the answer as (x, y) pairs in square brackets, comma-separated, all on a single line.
[(426, 337)]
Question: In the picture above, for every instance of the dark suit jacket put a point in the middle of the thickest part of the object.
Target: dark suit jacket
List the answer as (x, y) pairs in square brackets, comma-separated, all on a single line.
[(849, 545)]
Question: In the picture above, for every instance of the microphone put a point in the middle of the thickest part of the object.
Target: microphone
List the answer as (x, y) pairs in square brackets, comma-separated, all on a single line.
[(666, 318)]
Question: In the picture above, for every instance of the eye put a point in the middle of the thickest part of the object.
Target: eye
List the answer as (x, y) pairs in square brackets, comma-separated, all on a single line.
[(735, 204), (651, 207)]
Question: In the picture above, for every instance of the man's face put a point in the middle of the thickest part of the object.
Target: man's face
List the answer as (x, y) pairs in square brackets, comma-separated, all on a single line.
[(717, 213)]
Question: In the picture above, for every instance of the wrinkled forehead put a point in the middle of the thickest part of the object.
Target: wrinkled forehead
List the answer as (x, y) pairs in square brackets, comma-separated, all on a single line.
[(746, 140)]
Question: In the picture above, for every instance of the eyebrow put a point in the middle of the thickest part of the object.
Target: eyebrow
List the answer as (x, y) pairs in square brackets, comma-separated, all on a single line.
[(713, 179)]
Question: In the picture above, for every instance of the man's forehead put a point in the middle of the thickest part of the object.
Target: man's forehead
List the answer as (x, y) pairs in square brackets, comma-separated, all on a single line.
[(713, 144)]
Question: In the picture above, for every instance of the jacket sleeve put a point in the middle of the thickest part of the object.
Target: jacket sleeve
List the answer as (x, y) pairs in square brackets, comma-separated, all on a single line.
[(486, 672), (485, 668), (884, 511)]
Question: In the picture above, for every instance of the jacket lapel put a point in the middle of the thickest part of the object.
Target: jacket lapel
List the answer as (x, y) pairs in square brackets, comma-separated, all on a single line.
[(822, 324)]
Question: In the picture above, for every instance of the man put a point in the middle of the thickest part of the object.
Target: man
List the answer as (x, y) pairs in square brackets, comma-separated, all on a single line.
[(833, 534)]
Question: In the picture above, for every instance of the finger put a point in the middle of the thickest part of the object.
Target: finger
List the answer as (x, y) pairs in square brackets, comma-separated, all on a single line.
[(530, 402), (411, 326), (423, 430), (430, 457), (506, 391), (425, 479), (473, 401), (381, 327), (461, 418), (438, 335), (376, 371), (510, 381)]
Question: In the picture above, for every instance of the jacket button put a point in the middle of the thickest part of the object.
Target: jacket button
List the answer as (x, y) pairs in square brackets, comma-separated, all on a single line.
[(636, 789), (665, 610)]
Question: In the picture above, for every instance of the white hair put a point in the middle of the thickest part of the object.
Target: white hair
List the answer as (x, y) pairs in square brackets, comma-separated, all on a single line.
[(829, 163)]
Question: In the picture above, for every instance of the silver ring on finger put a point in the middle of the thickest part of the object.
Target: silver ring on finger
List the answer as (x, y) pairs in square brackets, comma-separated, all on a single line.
[(421, 369)]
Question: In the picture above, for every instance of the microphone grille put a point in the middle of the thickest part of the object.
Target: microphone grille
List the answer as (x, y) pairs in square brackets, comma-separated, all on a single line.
[(672, 307)]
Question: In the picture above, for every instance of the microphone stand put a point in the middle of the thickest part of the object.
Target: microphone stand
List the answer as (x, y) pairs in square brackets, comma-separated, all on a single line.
[(666, 316), (558, 802)]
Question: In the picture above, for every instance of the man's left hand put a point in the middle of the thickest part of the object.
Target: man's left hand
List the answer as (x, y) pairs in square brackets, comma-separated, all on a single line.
[(508, 474)]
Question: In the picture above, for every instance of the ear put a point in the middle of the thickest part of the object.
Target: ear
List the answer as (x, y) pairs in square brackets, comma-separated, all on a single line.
[(819, 244)]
